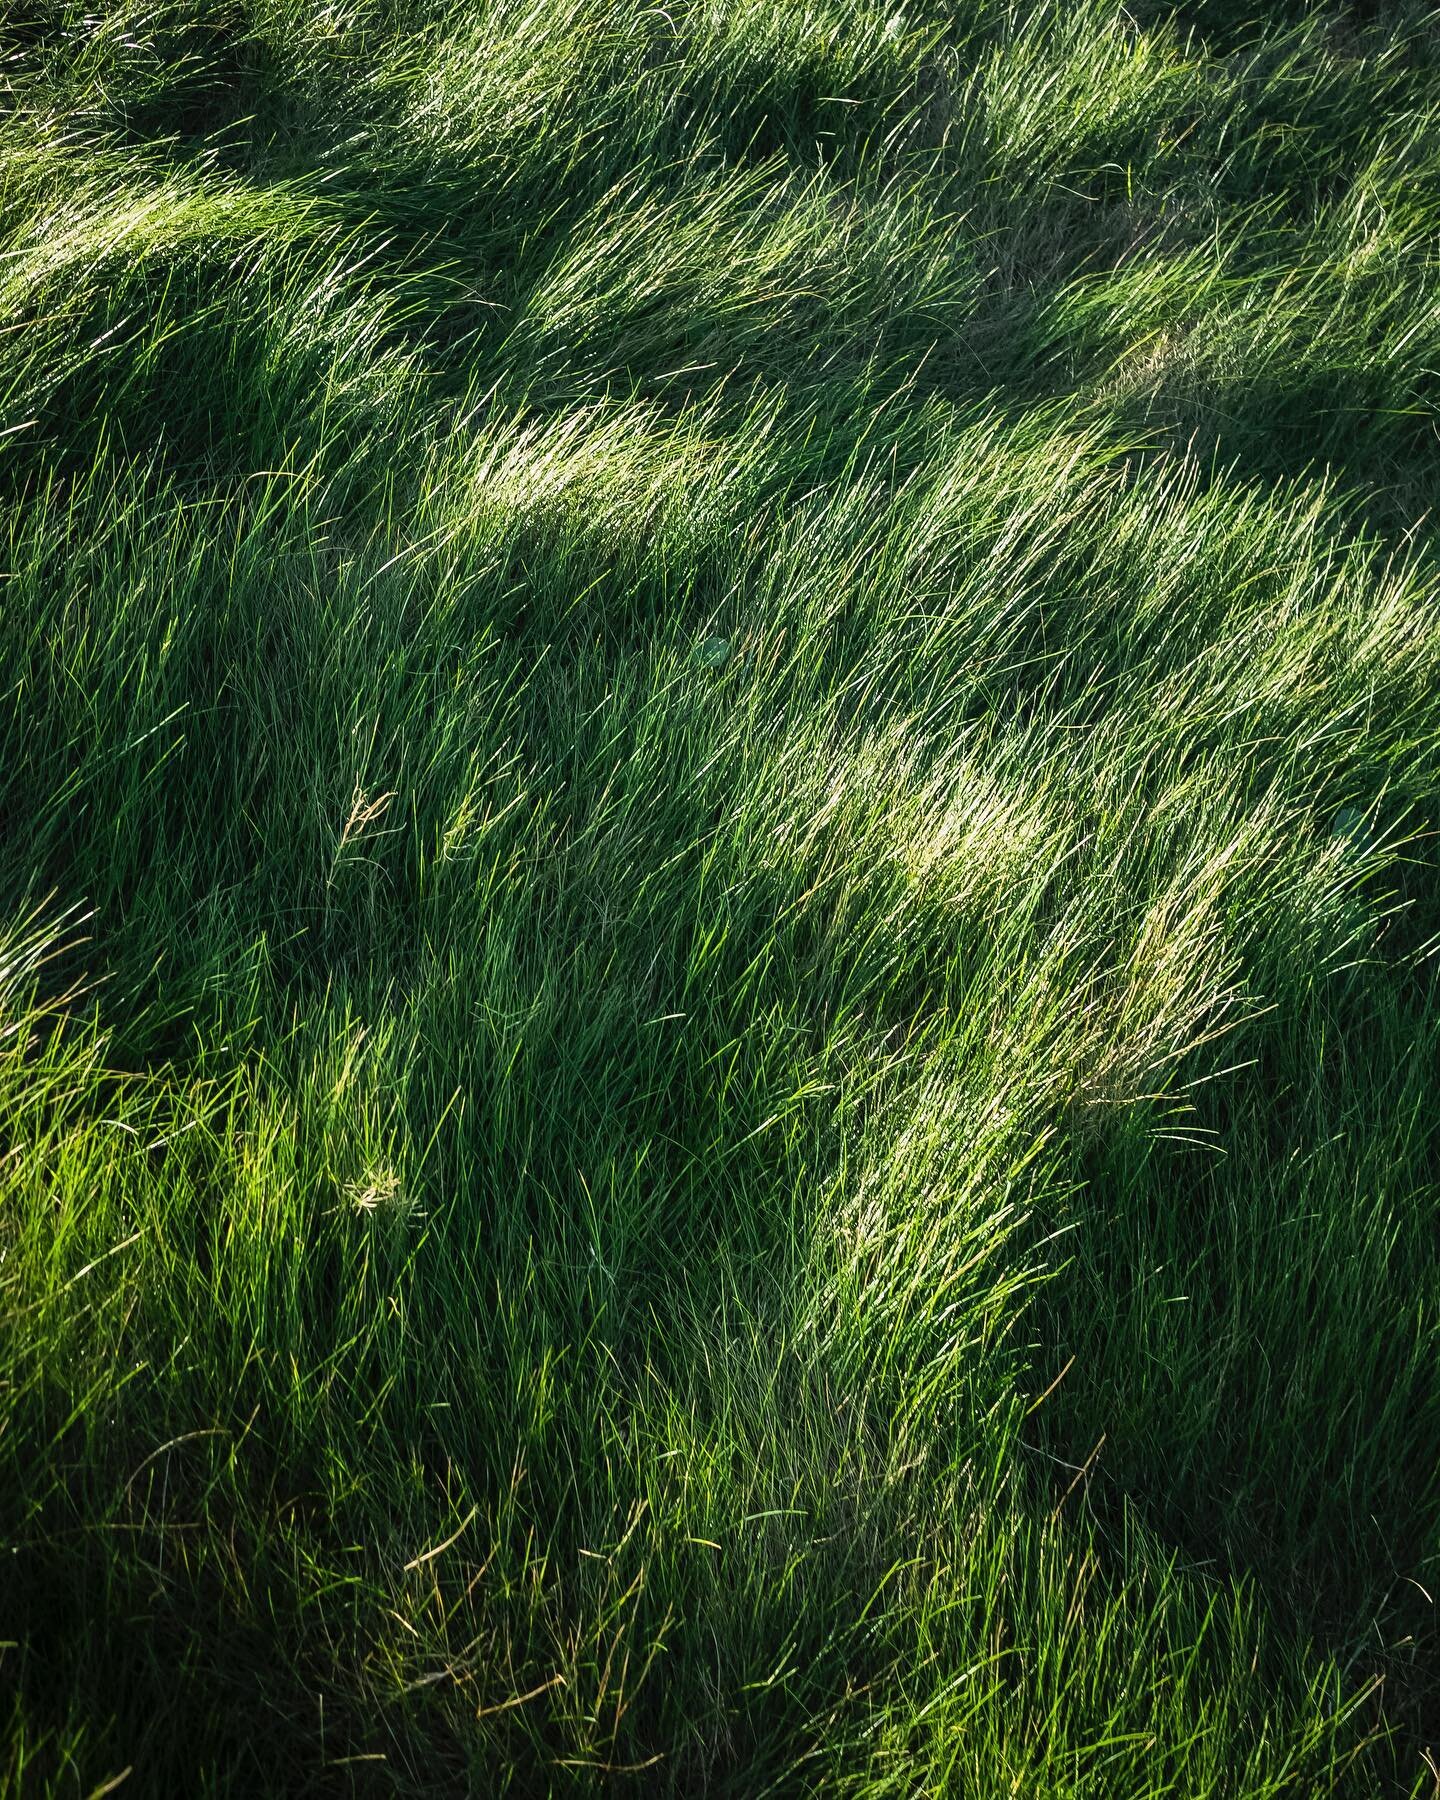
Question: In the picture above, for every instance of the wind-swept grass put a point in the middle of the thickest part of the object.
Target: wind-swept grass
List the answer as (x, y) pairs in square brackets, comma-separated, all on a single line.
[(718, 1012)]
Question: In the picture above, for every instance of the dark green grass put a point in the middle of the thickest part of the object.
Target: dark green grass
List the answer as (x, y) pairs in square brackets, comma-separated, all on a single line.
[(718, 1015)]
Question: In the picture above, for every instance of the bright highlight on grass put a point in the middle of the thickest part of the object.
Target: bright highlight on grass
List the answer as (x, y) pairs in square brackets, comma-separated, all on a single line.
[(718, 1005)]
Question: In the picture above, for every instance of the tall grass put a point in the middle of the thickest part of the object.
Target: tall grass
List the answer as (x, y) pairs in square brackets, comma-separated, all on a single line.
[(718, 1013)]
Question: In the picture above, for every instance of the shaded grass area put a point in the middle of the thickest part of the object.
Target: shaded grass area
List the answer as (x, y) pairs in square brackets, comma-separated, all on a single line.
[(717, 1011)]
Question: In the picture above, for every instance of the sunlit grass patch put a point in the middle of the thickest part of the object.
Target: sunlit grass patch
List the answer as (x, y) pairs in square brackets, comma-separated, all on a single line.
[(717, 950)]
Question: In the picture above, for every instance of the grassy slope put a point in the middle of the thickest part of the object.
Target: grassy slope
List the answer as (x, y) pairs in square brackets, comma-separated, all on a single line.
[(847, 1211)]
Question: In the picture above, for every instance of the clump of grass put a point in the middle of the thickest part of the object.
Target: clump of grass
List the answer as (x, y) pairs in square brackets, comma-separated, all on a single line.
[(741, 702)]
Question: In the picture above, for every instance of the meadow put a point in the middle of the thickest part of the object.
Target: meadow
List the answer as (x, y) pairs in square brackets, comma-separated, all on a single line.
[(719, 736)]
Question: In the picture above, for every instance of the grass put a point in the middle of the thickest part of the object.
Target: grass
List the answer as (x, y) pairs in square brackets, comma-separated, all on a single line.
[(718, 1004)]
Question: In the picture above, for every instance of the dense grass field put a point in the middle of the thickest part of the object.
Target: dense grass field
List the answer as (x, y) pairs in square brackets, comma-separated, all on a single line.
[(719, 1018)]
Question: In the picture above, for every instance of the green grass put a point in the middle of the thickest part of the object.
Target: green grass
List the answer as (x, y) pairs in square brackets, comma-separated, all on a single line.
[(718, 1004)]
